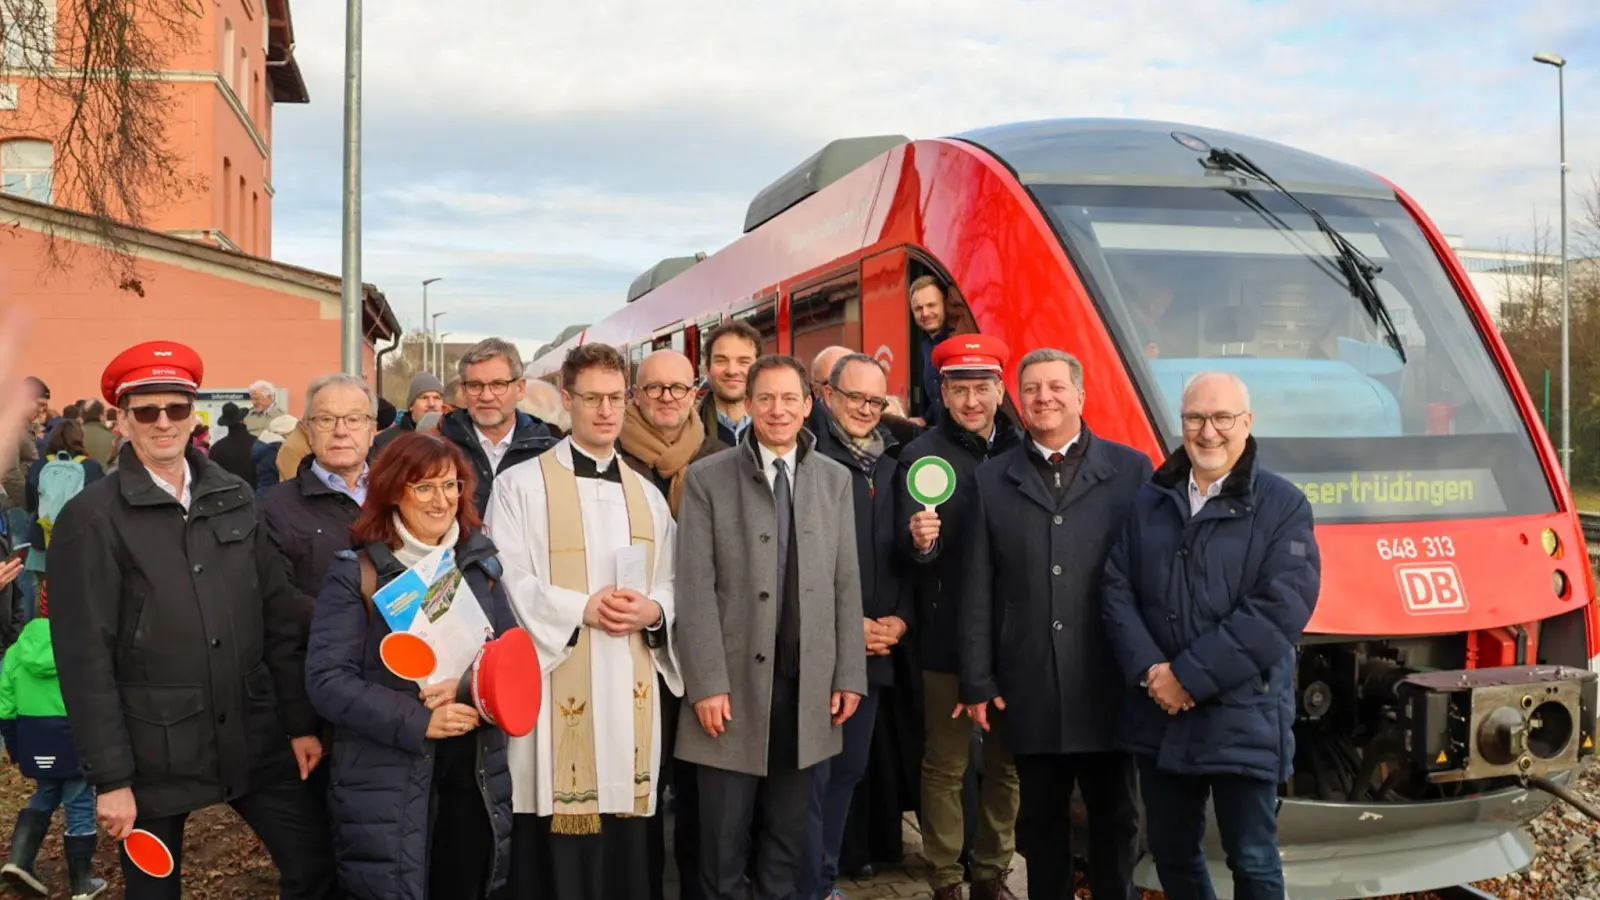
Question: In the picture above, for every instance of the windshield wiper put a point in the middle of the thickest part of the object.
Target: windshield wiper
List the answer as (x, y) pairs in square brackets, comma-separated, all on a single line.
[(1359, 271)]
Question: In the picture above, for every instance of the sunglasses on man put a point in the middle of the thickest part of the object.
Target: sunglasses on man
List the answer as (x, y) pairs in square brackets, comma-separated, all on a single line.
[(149, 415)]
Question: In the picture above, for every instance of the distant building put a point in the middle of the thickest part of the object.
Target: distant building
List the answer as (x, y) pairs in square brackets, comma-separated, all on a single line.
[(1498, 275), (204, 261)]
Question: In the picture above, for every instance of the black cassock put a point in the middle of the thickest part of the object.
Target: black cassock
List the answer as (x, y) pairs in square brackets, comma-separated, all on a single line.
[(611, 865)]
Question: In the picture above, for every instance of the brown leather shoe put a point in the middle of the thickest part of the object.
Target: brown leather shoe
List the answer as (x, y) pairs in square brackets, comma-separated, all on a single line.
[(993, 888), (948, 892)]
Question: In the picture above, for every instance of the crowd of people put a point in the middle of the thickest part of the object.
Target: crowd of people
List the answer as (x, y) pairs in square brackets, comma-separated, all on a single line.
[(739, 607)]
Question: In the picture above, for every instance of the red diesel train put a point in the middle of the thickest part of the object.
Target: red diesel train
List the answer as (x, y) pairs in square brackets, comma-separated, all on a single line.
[(1449, 665)]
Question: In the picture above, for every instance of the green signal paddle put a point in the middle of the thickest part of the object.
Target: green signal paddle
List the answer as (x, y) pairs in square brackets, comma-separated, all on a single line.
[(931, 481)]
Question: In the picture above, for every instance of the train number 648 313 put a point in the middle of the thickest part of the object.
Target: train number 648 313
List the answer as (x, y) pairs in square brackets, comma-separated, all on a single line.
[(1428, 547)]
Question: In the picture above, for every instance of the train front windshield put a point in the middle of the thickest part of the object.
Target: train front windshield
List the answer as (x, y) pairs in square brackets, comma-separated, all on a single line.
[(1199, 279)]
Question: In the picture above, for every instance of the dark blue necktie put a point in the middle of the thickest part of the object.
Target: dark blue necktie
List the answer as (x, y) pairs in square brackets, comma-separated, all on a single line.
[(783, 508)]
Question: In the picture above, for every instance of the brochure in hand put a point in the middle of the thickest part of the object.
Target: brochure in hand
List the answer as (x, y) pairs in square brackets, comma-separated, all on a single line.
[(436, 623)]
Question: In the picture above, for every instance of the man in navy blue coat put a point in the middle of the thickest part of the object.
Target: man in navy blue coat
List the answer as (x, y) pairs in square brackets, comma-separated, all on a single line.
[(1206, 595), (1033, 654)]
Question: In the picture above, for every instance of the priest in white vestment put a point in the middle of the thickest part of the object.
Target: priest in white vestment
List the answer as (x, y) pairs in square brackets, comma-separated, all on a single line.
[(588, 548)]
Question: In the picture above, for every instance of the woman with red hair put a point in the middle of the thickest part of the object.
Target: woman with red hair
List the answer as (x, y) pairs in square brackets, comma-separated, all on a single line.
[(421, 796)]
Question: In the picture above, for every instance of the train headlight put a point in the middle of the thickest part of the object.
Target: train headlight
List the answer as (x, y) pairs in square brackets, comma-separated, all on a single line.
[(1558, 580), (1552, 543)]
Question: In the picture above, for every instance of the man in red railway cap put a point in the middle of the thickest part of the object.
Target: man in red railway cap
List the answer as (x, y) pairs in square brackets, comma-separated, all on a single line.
[(179, 642), (972, 429)]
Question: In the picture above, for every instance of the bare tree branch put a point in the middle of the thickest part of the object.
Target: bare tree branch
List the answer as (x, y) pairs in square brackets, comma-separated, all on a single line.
[(93, 71)]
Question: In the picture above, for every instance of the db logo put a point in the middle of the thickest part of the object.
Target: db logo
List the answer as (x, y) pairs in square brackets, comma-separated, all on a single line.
[(1431, 588)]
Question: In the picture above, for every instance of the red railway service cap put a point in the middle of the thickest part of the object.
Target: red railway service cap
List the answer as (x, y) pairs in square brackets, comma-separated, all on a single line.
[(971, 354), (506, 685), (152, 367)]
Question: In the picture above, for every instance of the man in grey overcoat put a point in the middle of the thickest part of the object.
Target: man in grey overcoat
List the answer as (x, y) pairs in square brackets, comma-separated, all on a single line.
[(769, 634)]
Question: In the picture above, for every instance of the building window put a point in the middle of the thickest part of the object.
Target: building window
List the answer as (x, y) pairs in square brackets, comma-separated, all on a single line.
[(27, 33), (227, 196), (243, 80), (255, 223), (227, 51), (26, 169)]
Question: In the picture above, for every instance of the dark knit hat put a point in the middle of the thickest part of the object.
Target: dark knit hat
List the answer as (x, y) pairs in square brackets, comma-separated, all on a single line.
[(422, 383)]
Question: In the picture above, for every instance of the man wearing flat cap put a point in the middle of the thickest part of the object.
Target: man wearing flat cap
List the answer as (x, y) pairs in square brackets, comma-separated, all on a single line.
[(178, 641)]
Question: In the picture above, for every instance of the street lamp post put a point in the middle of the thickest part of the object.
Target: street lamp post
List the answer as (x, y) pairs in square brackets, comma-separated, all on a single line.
[(351, 294), (427, 346), (439, 338), (438, 348), (1560, 64)]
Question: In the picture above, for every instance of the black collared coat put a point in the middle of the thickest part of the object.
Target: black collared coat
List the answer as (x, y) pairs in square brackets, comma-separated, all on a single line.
[(1030, 612), (177, 640)]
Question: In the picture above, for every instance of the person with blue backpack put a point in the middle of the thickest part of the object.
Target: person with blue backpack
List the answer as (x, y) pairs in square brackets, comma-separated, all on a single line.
[(33, 720), (58, 476)]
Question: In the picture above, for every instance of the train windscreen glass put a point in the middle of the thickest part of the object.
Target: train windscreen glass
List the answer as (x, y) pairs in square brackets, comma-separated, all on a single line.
[(1191, 280)]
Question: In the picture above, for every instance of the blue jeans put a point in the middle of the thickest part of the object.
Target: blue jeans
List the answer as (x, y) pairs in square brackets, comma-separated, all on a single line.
[(1247, 821), (72, 793), (19, 524), (830, 807)]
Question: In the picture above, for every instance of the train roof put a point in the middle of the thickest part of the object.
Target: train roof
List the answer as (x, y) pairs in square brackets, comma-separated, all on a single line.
[(834, 161), (1145, 152)]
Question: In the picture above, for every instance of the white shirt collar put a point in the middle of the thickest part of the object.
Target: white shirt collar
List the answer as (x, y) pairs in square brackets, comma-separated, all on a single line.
[(172, 491), (495, 450), (600, 464), (1046, 451), (771, 471), (1197, 499)]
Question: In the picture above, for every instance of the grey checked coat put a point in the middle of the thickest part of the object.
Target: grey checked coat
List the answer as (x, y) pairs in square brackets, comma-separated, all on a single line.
[(727, 622)]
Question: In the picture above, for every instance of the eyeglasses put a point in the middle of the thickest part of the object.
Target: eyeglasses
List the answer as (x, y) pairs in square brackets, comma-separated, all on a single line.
[(1222, 421), (771, 401), (593, 401), (425, 490), (149, 415), (675, 391), (497, 388), (353, 422), (858, 400), (982, 391)]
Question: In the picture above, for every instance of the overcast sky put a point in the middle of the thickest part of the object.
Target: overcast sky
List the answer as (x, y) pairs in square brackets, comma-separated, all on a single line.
[(537, 156)]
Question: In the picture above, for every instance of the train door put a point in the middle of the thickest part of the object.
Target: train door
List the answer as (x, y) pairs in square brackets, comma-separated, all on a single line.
[(885, 332), (763, 317)]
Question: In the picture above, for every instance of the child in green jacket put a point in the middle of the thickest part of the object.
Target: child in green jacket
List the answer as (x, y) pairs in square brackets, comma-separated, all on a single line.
[(33, 720)]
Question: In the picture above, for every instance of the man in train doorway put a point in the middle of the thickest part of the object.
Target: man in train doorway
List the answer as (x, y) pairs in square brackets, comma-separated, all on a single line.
[(1209, 668), (1033, 655), (584, 783), (731, 349), (930, 313)]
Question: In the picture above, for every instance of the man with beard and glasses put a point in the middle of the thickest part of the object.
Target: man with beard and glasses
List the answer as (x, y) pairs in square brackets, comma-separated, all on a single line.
[(1034, 659), (661, 435), (1206, 595), (973, 430), (491, 431), (731, 349), (852, 435), (180, 644)]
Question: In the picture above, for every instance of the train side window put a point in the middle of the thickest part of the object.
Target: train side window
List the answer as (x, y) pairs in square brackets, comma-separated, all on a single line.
[(764, 319), (635, 356), (825, 315)]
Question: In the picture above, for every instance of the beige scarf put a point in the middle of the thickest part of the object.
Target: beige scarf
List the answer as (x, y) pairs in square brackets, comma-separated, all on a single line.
[(642, 441), (576, 789)]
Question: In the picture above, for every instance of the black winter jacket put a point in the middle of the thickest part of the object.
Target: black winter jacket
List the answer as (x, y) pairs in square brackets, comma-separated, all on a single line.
[(885, 590), (177, 639), (936, 577), (382, 761), (1030, 611), (308, 522), (529, 439), (235, 453)]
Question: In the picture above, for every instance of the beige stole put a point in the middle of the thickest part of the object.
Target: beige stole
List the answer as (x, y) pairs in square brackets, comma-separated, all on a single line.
[(576, 789)]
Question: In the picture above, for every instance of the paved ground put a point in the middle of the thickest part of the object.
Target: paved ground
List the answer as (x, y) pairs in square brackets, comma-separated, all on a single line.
[(905, 880)]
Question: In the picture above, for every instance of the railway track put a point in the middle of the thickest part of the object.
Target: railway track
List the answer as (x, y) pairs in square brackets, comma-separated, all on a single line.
[(1591, 532)]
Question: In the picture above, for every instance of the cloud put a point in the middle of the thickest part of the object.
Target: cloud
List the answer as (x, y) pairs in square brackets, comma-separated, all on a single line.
[(538, 156)]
